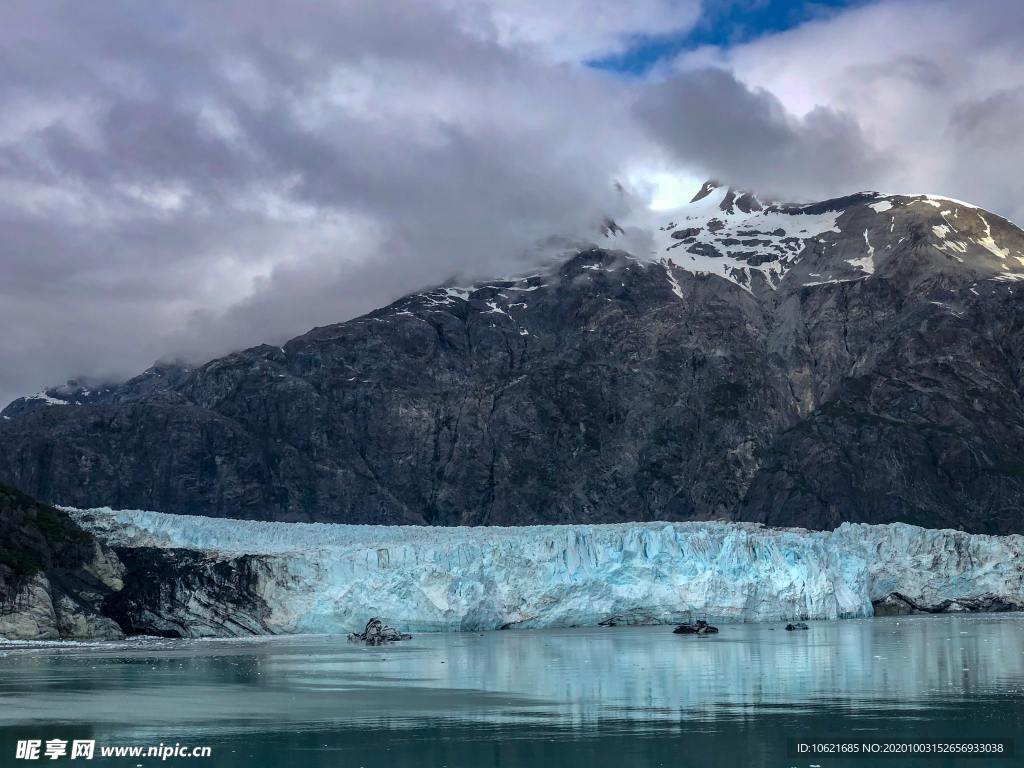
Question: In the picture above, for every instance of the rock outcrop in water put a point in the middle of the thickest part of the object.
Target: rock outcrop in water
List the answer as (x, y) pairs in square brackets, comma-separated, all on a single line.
[(699, 627), (378, 633), (858, 359)]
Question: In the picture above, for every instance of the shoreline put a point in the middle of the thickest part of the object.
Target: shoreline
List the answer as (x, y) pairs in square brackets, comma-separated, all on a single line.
[(148, 641)]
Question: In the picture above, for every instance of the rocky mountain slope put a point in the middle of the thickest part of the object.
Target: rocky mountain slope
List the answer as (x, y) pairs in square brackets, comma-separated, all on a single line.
[(60, 582), (859, 359), (54, 576)]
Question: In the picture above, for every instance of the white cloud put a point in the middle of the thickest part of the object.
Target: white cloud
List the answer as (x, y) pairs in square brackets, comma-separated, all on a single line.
[(711, 122), (189, 177), (908, 72), (664, 188), (576, 30), (186, 178)]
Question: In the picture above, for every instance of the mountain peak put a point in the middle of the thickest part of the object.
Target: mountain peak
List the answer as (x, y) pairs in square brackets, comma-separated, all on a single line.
[(731, 233), (732, 198), (706, 189)]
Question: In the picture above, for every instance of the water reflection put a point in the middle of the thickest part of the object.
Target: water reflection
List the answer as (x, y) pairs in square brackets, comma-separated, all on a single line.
[(744, 690)]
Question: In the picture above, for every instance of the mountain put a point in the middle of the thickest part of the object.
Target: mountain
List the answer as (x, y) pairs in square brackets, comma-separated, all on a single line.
[(858, 359)]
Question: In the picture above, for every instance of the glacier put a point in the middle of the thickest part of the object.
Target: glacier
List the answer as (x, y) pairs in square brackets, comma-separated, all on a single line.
[(326, 578)]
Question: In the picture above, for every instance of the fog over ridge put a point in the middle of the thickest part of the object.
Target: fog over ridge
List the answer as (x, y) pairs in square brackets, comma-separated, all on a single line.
[(183, 179)]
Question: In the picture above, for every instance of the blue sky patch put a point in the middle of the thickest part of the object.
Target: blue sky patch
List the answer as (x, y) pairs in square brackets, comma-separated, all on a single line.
[(723, 23)]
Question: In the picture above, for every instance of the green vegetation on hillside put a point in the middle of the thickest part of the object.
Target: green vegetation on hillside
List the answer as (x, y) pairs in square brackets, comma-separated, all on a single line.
[(35, 537)]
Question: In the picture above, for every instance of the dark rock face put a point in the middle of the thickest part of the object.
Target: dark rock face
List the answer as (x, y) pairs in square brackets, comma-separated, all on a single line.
[(180, 593), (54, 576), (895, 604), (873, 372), (58, 582)]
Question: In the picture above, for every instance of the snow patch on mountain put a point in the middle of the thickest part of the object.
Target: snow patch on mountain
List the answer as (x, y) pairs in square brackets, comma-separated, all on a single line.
[(733, 235), (936, 200), (988, 243), (330, 578), (865, 263), (46, 398)]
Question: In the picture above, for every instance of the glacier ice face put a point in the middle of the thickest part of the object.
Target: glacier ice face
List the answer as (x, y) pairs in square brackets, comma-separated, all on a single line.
[(330, 578)]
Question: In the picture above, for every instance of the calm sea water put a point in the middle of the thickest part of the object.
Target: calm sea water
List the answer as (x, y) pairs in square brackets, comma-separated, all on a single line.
[(576, 697)]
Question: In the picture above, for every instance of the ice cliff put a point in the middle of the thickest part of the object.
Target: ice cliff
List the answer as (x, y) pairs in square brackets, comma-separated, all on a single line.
[(330, 578)]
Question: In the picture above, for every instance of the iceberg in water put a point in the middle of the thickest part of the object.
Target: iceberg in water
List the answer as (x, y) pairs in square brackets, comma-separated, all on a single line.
[(331, 578)]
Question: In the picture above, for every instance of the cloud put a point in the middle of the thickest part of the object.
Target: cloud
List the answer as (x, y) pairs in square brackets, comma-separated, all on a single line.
[(709, 120), (994, 122), (921, 78), (181, 179), (576, 30)]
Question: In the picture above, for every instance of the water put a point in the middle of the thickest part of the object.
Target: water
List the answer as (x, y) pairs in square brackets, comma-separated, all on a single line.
[(575, 697)]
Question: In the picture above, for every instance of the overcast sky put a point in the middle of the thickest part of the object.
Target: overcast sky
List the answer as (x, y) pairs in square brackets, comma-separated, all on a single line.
[(179, 179)]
